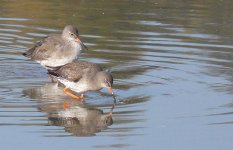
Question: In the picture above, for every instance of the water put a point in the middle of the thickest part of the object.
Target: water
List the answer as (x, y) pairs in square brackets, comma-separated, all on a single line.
[(171, 61)]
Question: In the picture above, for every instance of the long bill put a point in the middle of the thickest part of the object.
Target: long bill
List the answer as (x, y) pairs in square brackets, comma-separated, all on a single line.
[(79, 41), (111, 92), (113, 106)]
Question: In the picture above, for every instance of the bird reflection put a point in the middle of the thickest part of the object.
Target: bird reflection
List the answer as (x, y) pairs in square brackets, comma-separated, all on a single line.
[(81, 121), (77, 119)]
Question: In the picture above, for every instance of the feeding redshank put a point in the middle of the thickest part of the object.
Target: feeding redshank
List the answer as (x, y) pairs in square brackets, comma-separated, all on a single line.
[(82, 76)]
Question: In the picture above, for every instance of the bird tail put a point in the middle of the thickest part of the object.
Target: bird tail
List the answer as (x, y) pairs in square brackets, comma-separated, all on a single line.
[(53, 73), (53, 68), (28, 53)]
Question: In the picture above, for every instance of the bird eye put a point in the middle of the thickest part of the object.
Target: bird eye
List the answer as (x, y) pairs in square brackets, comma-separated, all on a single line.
[(72, 34), (106, 82)]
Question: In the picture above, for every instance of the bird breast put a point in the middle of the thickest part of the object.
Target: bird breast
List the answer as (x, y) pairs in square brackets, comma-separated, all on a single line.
[(78, 87)]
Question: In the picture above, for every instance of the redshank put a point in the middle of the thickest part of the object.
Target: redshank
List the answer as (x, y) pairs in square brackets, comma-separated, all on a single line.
[(82, 76), (57, 49)]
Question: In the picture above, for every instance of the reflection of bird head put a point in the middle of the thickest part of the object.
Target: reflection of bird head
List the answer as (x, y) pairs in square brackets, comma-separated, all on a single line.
[(106, 120)]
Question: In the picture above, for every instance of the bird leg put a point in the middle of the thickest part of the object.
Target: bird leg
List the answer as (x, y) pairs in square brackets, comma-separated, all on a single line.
[(66, 105), (82, 98), (66, 91)]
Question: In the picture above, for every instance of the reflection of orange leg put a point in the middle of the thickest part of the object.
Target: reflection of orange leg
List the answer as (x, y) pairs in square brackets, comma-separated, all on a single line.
[(111, 110), (66, 105), (72, 95)]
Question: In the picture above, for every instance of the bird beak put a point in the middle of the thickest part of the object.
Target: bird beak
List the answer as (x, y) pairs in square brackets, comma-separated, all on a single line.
[(110, 90), (79, 41), (113, 106)]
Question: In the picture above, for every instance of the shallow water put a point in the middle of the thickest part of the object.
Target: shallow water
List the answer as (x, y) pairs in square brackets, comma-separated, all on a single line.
[(171, 61)]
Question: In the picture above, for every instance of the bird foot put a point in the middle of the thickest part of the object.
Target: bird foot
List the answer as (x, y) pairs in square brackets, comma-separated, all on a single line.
[(75, 97)]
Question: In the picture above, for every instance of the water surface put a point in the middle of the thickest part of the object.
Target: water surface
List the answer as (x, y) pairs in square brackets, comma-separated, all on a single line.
[(171, 61)]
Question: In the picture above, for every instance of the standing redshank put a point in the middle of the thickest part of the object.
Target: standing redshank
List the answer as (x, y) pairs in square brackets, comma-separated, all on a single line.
[(81, 76), (57, 49)]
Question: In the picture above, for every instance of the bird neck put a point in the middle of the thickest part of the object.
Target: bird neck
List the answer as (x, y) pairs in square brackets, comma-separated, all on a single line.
[(71, 43), (94, 82)]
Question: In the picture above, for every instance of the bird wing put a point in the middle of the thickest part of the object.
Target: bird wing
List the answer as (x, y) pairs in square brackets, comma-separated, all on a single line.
[(76, 70), (43, 49), (31, 51)]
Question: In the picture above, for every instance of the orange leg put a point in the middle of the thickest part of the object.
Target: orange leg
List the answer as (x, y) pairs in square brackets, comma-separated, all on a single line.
[(72, 95)]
